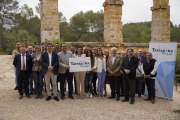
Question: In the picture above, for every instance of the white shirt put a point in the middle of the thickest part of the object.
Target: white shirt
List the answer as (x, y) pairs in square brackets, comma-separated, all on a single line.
[(22, 61), (153, 72), (113, 58), (50, 58)]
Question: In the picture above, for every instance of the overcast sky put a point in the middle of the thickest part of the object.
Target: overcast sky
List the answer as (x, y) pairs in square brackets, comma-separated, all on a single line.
[(133, 10)]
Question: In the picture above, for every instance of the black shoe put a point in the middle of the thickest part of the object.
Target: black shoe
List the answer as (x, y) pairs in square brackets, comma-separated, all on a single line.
[(132, 102), (48, 98), (125, 100), (95, 93), (111, 97), (56, 98), (117, 99), (62, 97), (71, 97), (16, 88), (121, 95), (28, 96)]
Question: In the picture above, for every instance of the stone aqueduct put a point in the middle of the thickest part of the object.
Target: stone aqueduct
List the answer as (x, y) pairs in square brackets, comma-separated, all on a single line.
[(160, 28)]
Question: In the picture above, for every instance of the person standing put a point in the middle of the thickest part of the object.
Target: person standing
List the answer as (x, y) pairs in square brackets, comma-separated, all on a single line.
[(149, 69), (15, 52), (129, 65), (89, 75), (43, 47), (114, 71), (123, 54), (94, 75), (139, 78), (37, 71), (142, 59), (31, 78), (49, 61), (26, 44), (100, 65), (23, 64), (74, 53), (80, 75), (64, 72), (106, 53)]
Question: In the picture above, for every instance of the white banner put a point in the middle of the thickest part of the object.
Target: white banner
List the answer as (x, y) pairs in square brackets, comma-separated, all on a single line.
[(80, 64), (165, 54)]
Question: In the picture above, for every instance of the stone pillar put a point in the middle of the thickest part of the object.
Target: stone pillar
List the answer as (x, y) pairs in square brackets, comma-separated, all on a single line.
[(112, 21), (160, 26), (49, 20)]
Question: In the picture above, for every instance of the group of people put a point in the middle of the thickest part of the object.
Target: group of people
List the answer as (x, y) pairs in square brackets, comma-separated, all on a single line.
[(127, 74)]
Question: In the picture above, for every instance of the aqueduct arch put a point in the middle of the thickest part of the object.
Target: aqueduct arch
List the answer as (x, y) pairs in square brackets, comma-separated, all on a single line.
[(160, 27)]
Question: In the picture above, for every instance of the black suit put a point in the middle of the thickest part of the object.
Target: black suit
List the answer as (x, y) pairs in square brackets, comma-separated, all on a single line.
[(129, 80), (45, 62), (23, 76)]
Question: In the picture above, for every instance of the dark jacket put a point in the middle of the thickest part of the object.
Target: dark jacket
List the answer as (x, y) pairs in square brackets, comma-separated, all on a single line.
[(130, 65), (17, 64), (143, 58), (45, 62)]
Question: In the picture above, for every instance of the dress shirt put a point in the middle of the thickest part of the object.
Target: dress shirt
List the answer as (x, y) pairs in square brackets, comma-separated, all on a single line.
[(113, 58), (50, 58), (130, 58), (22, 61), (67, 60), (153, 72)]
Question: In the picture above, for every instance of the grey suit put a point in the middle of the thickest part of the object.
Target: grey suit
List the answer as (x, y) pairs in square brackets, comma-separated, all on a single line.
[(64, 73), (114, 79), (63, 62)]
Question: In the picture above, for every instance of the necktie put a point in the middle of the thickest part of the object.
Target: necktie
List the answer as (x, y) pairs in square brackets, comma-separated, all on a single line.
[(23, 63)]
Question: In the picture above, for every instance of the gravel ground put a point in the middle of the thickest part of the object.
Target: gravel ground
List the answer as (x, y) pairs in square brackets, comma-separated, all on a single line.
[(11, 108)]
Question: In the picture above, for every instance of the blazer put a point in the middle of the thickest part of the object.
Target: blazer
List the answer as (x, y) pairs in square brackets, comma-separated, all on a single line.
[(45, 62), (62, 61), (98, 64), (143, 58), (116, 67), (17, 64), (130, 65)]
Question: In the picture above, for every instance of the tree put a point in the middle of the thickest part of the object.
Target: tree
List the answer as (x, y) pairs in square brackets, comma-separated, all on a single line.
[(79, 25), (8, 9), (26, 11), (61, 17), (38, 9)]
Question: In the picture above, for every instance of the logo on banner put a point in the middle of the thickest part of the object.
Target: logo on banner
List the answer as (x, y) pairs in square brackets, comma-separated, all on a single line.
[(81, 64), (163, 51)]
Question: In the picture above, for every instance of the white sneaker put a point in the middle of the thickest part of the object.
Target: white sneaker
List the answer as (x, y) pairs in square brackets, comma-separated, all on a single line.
[(87, 95), (91, 95)]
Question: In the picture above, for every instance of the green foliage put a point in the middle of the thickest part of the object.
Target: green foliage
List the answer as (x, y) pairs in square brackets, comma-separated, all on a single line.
[(137, 32), (2, 52), (178, 61), (12, 36)]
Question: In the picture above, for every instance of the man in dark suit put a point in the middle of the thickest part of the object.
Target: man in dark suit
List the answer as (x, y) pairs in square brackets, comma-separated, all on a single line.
[(142, 59), (23, 64), (49, 61), (129, 65)]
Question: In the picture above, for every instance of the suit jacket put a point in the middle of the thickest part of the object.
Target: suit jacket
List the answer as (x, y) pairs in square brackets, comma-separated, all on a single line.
[(98, 64), (45, 62), (17, 64), (62, 61), (116, 66), (143, 58), (130, 65)]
